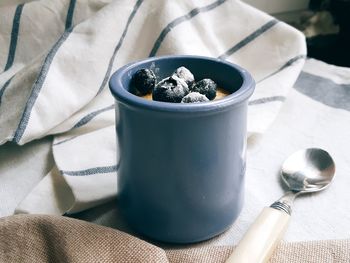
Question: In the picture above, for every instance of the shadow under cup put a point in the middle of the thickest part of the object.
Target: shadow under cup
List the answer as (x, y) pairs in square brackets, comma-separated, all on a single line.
[(181, 166)]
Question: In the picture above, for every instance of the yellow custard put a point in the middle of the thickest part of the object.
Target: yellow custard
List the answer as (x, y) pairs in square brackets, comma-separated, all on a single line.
[(220, 93)]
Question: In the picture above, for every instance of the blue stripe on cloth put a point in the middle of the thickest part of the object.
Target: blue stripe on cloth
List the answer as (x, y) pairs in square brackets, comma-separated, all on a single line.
[(14, 36), (249, 38), (66, 140), (266, 100), (180, 20), (92, 115), (287, 64), (70, 13), (2, 90), (91, 171), (86, 119), (324, 90), (41, 78), (111, 61)]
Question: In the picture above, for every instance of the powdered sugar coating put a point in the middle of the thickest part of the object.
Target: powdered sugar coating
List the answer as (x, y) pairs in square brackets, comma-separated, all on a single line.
[(185, 74), (194, 97)]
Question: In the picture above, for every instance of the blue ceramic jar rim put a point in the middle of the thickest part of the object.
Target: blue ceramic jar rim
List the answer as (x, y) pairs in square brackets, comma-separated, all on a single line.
[(122, 95)]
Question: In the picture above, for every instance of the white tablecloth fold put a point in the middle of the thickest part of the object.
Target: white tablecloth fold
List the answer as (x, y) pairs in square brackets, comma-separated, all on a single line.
[(56, 58)]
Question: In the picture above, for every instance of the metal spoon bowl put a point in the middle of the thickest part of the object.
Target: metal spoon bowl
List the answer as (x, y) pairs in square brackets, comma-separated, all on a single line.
[(308, 170)]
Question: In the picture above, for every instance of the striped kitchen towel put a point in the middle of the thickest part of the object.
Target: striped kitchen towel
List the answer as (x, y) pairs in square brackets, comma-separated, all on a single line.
[(56, 57)]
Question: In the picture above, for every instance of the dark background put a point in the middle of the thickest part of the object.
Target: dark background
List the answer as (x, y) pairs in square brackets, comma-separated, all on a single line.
[(332, 48)]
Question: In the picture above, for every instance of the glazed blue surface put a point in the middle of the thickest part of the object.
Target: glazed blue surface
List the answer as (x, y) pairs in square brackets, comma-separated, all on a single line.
[(181, 166)]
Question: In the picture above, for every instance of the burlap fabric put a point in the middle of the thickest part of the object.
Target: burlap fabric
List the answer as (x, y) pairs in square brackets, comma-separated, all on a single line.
[(42, 238)]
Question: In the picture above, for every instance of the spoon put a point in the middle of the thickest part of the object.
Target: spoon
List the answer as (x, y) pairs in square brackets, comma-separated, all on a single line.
[(305, 171)]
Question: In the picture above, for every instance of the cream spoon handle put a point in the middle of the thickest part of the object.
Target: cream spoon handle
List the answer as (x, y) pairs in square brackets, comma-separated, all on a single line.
[(262, 237)]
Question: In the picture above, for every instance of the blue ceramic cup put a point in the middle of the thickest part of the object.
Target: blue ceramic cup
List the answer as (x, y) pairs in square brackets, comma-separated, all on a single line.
[(181, 166)]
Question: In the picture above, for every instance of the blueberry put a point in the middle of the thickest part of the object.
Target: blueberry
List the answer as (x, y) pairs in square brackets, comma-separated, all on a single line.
[(171, 89), (206, 87), (194, 97), (144, 81), (185, 74)]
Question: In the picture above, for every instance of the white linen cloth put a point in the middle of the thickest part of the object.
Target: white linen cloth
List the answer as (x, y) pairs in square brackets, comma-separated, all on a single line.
[(316, 113), (57, 56)]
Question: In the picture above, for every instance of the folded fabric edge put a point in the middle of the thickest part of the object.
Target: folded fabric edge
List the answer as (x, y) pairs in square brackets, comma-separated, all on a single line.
[(258, 123), (54, 196), (51, 196)]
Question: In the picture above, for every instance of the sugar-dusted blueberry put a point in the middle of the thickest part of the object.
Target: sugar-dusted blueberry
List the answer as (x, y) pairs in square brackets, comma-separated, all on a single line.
[(194, 97), (206, 87), (144, 81), (171, 89), (185, 74)]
